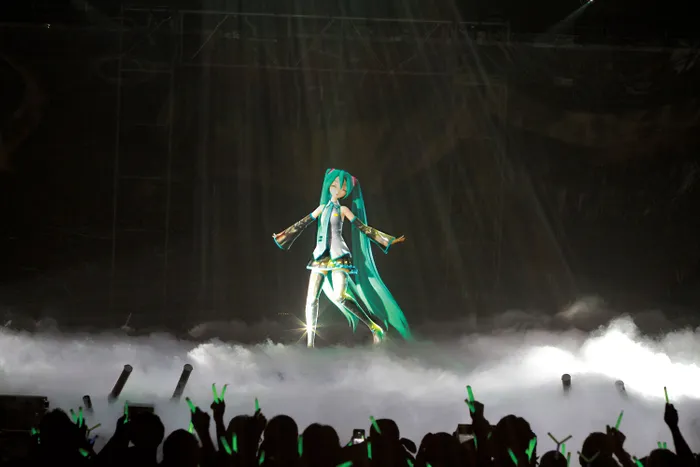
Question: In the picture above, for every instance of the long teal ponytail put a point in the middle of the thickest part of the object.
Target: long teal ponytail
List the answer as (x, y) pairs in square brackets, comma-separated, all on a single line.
[(366, 287)]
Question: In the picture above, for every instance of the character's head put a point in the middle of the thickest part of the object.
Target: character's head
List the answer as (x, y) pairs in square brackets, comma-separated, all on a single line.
[(337, 184)]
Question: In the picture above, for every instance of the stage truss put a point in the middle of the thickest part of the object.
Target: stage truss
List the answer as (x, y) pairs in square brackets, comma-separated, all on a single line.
[(163, 41)]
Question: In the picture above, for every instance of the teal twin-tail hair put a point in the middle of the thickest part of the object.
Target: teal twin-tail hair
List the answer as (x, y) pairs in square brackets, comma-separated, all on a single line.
[(366, 287)]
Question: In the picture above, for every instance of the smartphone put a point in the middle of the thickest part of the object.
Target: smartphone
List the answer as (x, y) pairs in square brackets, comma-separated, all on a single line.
[(464, 433), (358, 436), (135, 409)]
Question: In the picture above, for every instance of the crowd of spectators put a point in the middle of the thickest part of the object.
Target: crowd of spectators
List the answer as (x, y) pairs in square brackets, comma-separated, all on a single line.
[(253, 440)]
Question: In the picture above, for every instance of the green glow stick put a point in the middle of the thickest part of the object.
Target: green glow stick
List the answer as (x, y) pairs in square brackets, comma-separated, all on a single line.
[(193, 408), (568, 459), (470, 403), (262, 458), (126, 411), (369, 450), (225, 444), (227, 447), (666, 394), (375, 425), (300, 445), (531, 448), (346, 464), (73, 416), (513, 457), (191, 428), (81, 419), (563, 449), (409, 462), (218, 397), (638, 462), (34, 432), (257, 405), (83, 452), (661, 445), (619, 420)]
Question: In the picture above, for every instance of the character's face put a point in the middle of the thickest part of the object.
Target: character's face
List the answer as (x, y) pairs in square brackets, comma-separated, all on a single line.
[(337, 190)]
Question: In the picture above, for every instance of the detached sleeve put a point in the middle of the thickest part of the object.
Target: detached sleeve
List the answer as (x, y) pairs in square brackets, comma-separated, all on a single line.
[(382, 239), (291, 233)]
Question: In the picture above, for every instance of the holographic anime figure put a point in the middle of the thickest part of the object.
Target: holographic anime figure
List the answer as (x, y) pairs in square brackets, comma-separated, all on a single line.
[(350, 280)]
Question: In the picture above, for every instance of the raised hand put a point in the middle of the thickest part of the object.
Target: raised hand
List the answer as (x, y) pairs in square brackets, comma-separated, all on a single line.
[(200, 420), (671, 416), (218, 407), (615, 437)]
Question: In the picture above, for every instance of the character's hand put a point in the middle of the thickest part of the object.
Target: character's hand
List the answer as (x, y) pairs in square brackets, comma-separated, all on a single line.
[(401, 239)]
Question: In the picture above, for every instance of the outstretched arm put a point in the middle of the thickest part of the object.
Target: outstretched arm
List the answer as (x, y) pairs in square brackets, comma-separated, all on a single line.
[(286, 238), (380, 238)]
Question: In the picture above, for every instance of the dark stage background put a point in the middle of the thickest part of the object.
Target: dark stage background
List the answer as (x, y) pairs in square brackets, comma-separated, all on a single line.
[(149, 154)]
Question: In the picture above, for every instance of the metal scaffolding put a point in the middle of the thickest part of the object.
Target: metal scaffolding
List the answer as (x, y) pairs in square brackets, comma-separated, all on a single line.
[(161, 41)]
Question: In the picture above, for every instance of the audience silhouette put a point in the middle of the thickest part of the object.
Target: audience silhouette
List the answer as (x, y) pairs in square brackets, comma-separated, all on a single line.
[(252, 441)]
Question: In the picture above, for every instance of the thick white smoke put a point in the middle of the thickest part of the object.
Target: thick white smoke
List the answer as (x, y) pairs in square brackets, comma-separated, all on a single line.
[(421, 386)]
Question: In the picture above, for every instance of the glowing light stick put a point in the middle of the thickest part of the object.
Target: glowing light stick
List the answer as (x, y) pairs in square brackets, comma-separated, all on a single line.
[(568, 459), (78, 418), (73, 415), (375, 425), (661, 445), (619, 420), (300, 445), (513, 457), (369, 450), (193, 409), (230, 448), (531, 448), (470, 399), (126, 411), (257, 405), (638, 462), (666, 394), (262, 458), (218, 397), (346, 464)]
